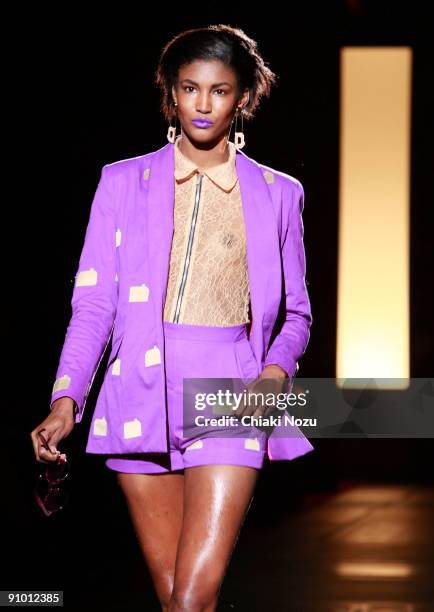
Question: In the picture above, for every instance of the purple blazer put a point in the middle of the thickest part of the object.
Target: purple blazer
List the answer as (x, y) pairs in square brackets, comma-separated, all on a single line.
[(127, 249)]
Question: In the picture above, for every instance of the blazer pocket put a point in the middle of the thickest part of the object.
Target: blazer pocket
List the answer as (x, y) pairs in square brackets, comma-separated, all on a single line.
[(246, 362)]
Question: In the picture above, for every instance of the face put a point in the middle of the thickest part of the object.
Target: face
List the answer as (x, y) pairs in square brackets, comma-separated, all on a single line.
[(207, 91)]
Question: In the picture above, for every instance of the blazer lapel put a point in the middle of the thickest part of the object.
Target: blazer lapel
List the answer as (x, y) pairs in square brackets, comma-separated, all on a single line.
[(159, 220), (263, 252)]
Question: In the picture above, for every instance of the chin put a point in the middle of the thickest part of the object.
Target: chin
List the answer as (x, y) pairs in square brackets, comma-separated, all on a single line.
[(203, 136)]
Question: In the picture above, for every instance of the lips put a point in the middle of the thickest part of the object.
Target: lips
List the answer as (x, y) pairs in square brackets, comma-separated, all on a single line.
[(201, 123)]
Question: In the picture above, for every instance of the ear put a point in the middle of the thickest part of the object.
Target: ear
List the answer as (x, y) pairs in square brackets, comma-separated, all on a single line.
[(174, 94), (245, 98)]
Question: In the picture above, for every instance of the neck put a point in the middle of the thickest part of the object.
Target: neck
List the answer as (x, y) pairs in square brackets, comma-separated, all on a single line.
[(204, 155)]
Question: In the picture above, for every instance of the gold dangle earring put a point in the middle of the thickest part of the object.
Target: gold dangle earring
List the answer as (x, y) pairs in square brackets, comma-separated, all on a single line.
[(171, 132), (239, 136)]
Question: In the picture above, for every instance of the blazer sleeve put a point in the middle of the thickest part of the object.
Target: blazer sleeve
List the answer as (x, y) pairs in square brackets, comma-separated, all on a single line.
[(291, 342), (94, 302)]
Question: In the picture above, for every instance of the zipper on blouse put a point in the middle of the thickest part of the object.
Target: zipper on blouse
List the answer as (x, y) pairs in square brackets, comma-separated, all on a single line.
[(189, 248)]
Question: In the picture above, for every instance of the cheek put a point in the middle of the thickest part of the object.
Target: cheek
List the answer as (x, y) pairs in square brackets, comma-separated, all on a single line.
[(228, 114), (183, 105)]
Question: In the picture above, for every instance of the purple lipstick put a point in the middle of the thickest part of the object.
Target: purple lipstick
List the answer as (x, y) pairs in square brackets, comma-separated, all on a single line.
[(202, 123)]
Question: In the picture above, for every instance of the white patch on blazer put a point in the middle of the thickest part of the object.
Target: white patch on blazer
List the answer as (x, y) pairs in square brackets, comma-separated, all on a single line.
[(197, 444), (62, 383), (100, 427), (139, 293), (116, 367), (116, 277), (146, 174), (269, 177), (252, 444), (132, 429), (152, 357), (118, 237), (86, 278)]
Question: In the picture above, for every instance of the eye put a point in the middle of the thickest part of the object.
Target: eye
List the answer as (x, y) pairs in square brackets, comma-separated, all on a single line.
[(222, 90), (188, 87)]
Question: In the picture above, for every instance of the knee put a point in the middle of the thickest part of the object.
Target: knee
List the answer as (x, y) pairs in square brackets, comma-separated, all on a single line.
[(164, 593), (194, 598), (165, 604)]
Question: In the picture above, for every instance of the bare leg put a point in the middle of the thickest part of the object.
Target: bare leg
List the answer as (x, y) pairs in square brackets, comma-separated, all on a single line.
[(155, 503), (216, 500)]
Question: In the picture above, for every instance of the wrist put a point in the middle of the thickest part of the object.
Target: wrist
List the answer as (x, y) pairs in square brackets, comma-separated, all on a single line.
[(273, 370), (65, 404)]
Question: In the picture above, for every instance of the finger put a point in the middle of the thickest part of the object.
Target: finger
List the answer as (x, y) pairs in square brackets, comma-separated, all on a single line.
[(270, 411), (54, 441), (52, 454), (35, 444), (46, 456), (251, 405), (244, 406), (263, 411), (240, 411)]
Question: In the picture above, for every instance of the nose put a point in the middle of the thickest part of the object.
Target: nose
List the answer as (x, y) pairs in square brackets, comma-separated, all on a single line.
[(203, 103)]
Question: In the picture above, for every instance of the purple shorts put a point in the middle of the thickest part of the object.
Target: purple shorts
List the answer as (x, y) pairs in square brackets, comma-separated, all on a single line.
[(197, 351)]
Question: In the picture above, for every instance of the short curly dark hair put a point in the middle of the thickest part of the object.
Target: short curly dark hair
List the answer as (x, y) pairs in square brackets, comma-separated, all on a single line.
[(215, 42)]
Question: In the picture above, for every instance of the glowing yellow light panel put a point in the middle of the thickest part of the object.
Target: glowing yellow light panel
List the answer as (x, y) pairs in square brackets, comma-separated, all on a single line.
[(374, 195)]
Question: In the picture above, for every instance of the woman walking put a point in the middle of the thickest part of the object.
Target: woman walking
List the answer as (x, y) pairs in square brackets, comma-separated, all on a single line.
[(189, 254)]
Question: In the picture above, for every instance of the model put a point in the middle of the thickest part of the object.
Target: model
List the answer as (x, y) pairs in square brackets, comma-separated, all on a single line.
[(190, 253)]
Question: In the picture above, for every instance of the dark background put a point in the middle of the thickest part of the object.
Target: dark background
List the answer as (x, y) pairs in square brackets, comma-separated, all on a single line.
[(82, 95)]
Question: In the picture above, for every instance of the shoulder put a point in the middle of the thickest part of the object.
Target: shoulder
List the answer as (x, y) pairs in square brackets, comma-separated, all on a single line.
[(279, 181), (125, 169), (286, 194), (117, 178), (285, 181), (287, 188)]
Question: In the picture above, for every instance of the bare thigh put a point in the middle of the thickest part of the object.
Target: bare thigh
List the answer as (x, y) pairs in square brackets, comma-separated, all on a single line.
[(216, 501), (155, 503)]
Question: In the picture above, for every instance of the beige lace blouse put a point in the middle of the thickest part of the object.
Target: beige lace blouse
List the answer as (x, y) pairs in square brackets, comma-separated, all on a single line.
[(209, 266)]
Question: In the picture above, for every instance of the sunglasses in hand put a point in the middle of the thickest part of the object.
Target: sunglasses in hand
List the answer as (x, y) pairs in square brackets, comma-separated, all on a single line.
[(49, 491)]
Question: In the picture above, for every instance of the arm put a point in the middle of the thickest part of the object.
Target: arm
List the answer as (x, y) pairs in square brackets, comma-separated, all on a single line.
[(94, 303), (290, 344)]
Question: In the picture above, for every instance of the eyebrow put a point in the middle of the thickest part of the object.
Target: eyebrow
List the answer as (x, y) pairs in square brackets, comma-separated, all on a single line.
[(214, 85)]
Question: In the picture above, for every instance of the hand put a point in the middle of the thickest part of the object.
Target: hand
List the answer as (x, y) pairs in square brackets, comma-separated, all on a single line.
[(270, 381), (58, 425), (273, 371)]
